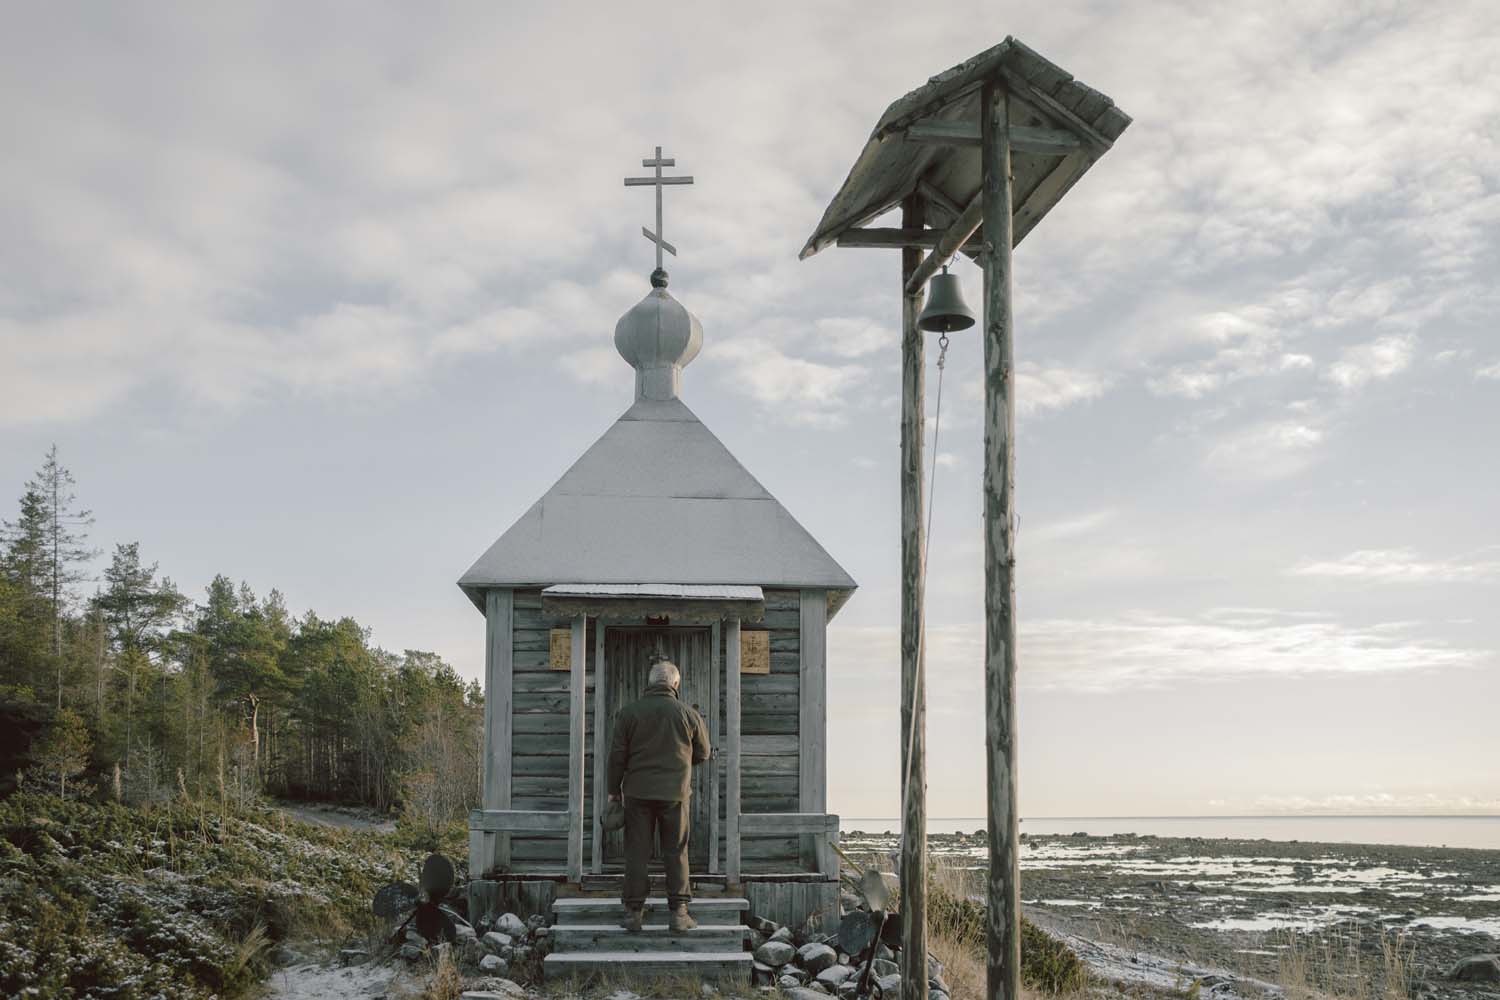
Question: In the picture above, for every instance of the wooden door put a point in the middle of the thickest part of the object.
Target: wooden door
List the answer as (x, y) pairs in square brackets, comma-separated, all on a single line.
[(627, 657)]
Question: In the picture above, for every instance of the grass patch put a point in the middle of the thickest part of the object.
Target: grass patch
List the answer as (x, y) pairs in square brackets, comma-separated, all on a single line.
[(956, 925), (182, 901), (1345, 965)]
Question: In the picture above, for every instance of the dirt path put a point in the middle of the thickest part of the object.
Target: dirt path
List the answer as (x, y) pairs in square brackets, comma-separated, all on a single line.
[(336, 816), (325, 982)]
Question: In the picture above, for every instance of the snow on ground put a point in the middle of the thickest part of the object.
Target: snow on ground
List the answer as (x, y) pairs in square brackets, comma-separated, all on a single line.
[(325, 982)]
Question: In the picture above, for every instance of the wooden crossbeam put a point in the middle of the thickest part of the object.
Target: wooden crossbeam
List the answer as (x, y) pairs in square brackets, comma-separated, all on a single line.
[(1025, 139), (898, 237), (948, 243), (519, 821)]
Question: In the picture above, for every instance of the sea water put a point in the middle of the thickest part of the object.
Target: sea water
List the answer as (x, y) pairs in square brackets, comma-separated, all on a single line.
[(1411, 831)]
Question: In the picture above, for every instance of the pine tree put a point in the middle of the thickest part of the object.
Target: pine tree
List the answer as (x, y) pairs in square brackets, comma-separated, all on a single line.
[(64, 752), (52, 538), (136, 609)]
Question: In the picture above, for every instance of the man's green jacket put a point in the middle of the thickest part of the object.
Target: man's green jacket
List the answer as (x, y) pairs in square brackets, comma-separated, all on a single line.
[(657, 741)]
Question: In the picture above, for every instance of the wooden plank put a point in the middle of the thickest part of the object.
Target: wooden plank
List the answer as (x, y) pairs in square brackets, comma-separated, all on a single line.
[(732, 749), (886, 237), (1024, 138), (812, 757), (1003, 909), (601, 751), (576, 751), (518, 821), (769, 746), (499, 608), (783, 823), (913, 569), (715, 641), (1048, 193)]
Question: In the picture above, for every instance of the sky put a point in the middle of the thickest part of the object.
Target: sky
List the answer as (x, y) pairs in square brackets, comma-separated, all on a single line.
[(321, 297)]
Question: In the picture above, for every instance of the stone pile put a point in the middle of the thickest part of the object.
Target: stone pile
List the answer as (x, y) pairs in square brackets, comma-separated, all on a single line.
[(808, 965)]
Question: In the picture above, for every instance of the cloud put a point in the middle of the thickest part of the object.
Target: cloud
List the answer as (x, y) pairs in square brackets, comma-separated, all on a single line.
[(1403, 566), (1084, 524), (793, 390), (1042, 389), (1377, 359), (1142, 650), (1269, 450), (1489, 371), (1373, 802)]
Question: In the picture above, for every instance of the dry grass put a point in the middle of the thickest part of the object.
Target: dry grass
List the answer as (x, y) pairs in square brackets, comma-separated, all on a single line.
[(446, 982), (1342, 965)]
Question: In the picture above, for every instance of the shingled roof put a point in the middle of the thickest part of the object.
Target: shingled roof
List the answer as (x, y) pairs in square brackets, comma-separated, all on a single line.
[(1043, 96)]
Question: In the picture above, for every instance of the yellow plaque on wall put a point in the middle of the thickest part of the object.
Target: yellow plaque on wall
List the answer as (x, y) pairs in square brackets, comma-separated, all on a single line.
[(755, 652), (562, 649)]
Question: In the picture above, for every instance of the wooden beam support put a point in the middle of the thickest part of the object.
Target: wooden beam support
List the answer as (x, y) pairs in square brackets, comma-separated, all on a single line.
[(953, 237), (1002, 897), (601, 749), (577, 709), (913, 734), (812, 713), (715, 641), (894, 237), (488, 851), (1025, 139), (732, 748)]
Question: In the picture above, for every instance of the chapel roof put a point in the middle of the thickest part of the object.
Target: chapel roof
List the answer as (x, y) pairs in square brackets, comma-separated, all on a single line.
[(658, 498)]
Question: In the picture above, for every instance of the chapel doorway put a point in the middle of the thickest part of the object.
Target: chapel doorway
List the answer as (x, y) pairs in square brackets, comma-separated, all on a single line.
[(627, 658)]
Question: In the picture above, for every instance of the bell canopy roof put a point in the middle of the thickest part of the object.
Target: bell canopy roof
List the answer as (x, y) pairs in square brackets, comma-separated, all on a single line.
[(658, 498)]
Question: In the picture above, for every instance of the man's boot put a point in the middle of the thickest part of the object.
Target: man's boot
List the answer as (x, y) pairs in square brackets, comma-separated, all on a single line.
[(632, 921), (680, 921)]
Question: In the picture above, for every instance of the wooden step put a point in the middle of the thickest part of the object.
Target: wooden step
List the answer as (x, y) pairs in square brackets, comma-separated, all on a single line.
[(633, 966), (717, 912), (612, 937)]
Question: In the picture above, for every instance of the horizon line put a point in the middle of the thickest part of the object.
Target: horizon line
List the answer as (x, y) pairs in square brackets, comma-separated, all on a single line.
[(1308, 815)]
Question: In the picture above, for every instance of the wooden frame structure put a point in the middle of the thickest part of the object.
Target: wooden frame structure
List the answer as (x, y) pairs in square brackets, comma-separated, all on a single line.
[(981, 152)]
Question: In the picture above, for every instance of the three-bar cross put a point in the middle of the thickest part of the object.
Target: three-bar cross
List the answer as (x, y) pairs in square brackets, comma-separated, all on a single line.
[(658, 181)]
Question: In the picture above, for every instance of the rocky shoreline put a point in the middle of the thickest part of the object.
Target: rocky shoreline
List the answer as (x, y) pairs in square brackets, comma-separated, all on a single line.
[(1238, 916)]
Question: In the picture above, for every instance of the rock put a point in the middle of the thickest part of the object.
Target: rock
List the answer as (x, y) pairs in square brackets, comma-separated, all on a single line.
[(834, 976), (353, 956), (412, 937), (411, 952), (844, 958), (463, 932), (849, 902), (782, 934), (934, 968), (503, 989), (788, 982), (709, 990), (623, 995), (495, 942), (763, 925), (848, 989), (884, 953), (794, 973), (1477, 969), (511, 924), (937, 995), (762, 974), (889, 986), (885, 967), (775, 953), (804, 993), (816, 957), (536, 922), (493, 964)]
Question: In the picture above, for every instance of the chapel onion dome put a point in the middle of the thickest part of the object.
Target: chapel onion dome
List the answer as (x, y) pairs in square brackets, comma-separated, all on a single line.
[(658, 337)]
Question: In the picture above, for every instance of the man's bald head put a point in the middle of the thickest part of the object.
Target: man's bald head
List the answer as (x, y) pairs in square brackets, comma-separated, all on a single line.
[(664, 671)]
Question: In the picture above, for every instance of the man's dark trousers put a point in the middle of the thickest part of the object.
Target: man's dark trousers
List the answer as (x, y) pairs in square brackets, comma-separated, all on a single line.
[(644, 818)]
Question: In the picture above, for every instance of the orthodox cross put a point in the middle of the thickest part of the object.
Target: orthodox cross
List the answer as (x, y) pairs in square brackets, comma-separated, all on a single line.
[(657, 181)]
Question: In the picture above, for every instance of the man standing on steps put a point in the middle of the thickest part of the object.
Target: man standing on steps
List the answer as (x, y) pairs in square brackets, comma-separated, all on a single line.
[(657, 740)]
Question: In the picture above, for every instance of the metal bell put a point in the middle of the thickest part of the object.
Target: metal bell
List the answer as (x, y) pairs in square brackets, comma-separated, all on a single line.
[(946, 310)]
